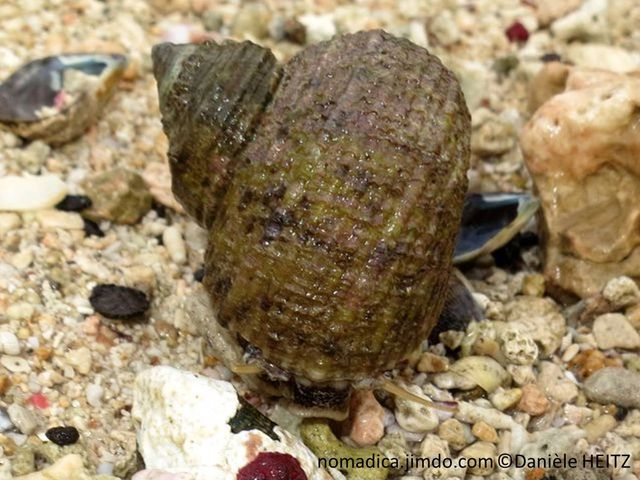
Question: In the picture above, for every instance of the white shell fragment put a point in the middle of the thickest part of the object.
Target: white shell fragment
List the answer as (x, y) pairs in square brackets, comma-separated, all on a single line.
[(20, 194), (183, 428)]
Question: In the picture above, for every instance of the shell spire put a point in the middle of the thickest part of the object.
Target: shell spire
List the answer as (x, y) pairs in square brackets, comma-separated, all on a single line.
[(211, 97)]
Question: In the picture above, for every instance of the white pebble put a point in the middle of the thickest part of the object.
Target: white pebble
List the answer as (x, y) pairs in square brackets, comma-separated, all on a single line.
[(20, 311), (80, 359), (9, 343), (51, 219), (8, 222), (413, 416), (19, 194), (613, 330), (15, 364), (571, 351), (24, 419), (318, 27), (172, 239), (621, 291), (94, 395)]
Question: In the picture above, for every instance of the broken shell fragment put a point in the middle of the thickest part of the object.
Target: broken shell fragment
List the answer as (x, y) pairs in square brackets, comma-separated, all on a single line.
[(55, 99), (210, 432), (490, 220)]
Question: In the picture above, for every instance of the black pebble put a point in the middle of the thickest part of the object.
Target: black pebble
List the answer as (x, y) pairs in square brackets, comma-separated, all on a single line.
[(160, 209), (550, 57), (198, 275), (621, 413), (91, 228), (74, 203), (63, 435), (114, 301)]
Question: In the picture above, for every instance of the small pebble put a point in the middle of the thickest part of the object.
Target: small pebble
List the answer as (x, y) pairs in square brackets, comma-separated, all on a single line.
[(456, 434), (19, 194), (517, 32), (597, 427), (63, 435), (485, 432), (172, 239), (533, 284), (8, 222), (413, 416), (51, 219), (621, 292), (117, 302), (9, 343), (533, 401), (432, 363), (94, 395), (92, 229), (613, 330), (367, 419), (15, 364), (294, 31), (24, 419), (198, 275), (117, 195), (480, 450), (80, 359), (74, 203), (505, 399), (20, 311), (5, 421), (614, 385)]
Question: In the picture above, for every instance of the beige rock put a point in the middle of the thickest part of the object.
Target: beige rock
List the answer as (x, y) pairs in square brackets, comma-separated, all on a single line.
[(52, 219), (432, 363), (69, 467), (367, 419), (518, 347), (118, 195), (589, 22), (533, 285), (602, 56), (549, 10), (485, 432), (503, 399), (597, 427), (553, 383), (8, 222), (455, 433), (481, 451), (158, 178), (540, 319), (533, 400), (413, 416), (613, 330), (581, 148), (490, 134), (621, 292), (172, 239)]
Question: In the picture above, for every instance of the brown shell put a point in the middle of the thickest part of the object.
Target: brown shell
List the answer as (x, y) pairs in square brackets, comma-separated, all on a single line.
[(332, 189)]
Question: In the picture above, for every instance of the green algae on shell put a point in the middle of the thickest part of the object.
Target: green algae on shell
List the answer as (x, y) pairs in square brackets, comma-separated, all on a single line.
[(332, 189)]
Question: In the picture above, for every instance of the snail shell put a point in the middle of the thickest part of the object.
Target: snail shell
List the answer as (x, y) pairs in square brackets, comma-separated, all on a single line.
[(332, 190)]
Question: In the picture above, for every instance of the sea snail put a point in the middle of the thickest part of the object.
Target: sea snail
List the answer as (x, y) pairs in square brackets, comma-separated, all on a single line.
[(332, 190)]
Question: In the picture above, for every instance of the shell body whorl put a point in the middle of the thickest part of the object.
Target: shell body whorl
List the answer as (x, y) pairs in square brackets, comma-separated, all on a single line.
[(331, 241)]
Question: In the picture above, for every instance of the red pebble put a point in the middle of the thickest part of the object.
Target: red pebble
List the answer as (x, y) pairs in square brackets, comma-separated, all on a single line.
[(272, 466), (517, 33), (38, 400)]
